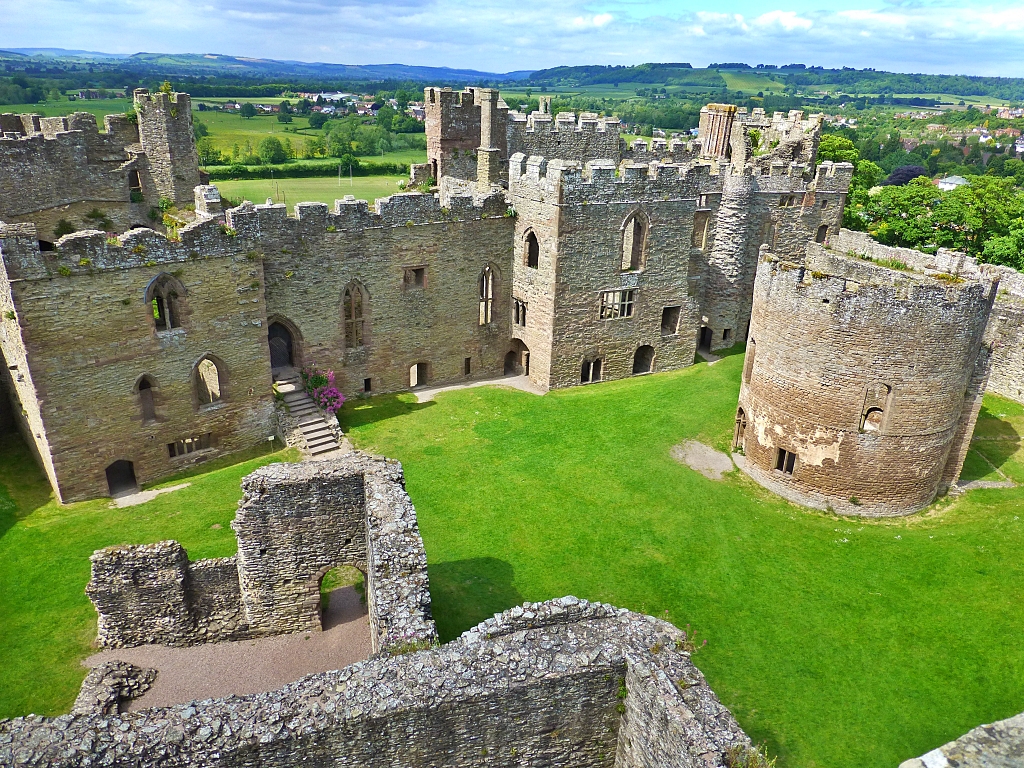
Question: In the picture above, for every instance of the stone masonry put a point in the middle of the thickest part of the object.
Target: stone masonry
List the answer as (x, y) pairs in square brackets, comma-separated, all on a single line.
[(563, 683), (295, 522), (869, 408), (57, 168)]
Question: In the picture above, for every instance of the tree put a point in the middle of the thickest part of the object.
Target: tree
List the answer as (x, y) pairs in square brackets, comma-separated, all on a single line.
[(1008, 249), (902, 215), (903, 174), (974, 213), (284, 117), (318, 120), (270, 150), (838, 149), (208, 154), (247, 110), (199, 129)]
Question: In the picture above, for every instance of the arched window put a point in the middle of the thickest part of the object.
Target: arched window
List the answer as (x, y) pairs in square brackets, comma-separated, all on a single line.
[(634, 238), (590, 371), (146, 402), (208, 382), (877, 402), (164, 296), (532, 251), (486, 285), (355, 310)]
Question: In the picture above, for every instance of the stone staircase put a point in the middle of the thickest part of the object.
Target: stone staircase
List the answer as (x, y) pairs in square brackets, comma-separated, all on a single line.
[(317, 434)]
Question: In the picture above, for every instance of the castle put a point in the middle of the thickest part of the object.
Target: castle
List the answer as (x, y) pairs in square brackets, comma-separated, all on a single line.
[(551, 248)]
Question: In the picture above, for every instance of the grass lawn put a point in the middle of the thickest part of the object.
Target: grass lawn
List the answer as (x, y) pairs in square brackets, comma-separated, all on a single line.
[(324, 190), (98, 107), (48, 622), (838, 642)]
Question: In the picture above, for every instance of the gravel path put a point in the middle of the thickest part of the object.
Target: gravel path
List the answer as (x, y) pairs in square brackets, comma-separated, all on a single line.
[(703, 458), (250, 666)]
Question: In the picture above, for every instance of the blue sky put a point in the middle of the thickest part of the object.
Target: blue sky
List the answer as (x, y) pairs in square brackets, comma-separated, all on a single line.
[(940, 36)]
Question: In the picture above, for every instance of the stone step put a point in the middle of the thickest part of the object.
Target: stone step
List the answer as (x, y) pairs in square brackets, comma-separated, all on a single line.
[(320, 438), (291, 397), (311, 419), (317, 434), (324, 449)]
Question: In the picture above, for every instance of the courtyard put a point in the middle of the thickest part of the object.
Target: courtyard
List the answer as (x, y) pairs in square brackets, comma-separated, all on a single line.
[(834, 641)]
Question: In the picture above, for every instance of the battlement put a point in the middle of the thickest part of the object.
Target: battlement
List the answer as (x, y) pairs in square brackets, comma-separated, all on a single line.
[(604, 180), (90, 250), (172, 103), (563, 122)]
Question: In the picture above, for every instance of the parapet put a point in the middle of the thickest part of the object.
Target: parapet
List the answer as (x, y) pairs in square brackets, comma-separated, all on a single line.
[(565, 682)]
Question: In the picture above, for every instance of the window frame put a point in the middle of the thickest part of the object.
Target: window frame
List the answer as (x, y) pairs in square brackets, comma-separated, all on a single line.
[(618, 304)]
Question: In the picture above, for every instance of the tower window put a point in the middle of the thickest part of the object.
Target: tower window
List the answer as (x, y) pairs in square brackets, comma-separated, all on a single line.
[(532, 251), (785, 461), (486, 295)]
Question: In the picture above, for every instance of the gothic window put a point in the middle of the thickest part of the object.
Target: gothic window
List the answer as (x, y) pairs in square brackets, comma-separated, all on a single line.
[(207, 379), (532, 251), (519, 312), (146, 402), (164, 296), (486, 286), (354, 310), (634, 238)]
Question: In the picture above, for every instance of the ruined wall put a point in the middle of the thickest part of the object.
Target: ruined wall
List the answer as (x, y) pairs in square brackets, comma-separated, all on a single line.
[(309, 262), (563, 137), (540, 684), (870, 394), (165, 131), (995, 745), (295, 522), (453, 132), (581, 218), (1007, 331), (88, 337)]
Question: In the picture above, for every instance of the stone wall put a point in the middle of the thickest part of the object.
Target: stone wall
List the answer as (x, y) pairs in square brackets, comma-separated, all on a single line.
[(107, 687), (564, 683), (996, 745), (870, 394), (165, 131), (295, 522)]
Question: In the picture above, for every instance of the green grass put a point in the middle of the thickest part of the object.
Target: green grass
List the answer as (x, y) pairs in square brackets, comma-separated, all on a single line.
[(751, 82), (838, 642), (48, 622), (324, 190), (98, 107)]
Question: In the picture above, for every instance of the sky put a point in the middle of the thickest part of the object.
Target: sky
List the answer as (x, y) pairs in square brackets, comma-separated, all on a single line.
[(936, 36)]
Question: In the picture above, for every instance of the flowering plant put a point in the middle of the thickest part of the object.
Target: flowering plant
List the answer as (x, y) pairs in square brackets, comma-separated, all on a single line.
[(320, 386)]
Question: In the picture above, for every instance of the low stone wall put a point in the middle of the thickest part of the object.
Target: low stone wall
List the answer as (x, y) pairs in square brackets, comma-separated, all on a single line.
[(998, 745), (943, 260), (107, 686), (294, 523), (564, 683)]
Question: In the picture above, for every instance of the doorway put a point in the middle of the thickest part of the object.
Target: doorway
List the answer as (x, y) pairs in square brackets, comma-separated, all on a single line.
[(705, 337), (517, 359), (121, 478), (281, 346), (418, 374)]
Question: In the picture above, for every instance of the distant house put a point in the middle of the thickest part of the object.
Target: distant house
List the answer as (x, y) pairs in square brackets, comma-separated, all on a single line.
[(1019, 146), (951, 182), (1011, 132), (418, 112)]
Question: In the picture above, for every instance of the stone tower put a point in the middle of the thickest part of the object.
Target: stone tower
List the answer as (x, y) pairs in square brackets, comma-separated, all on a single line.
[(165, 132), (861, 384)]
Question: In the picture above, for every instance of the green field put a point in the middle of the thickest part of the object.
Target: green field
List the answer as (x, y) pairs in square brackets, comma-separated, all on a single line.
[(317, 190), (837, 642), (751, 82), (98, 107)]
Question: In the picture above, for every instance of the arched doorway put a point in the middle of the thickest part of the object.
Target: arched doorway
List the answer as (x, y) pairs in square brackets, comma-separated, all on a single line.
[(643, 359), (517, 359), (281, 346), (741, 428), (121, 478)]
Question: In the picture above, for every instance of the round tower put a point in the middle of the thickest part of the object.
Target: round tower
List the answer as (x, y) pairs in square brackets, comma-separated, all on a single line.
[(861, 384)]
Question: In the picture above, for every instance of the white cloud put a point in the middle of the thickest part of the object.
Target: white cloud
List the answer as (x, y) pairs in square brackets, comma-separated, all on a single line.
[(495, 35)]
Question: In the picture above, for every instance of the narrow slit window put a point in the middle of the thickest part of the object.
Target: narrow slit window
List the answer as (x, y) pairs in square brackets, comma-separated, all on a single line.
[(486, 295), (532, 251)]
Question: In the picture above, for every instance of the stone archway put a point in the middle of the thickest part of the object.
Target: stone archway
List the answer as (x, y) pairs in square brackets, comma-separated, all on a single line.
[(282, 346)]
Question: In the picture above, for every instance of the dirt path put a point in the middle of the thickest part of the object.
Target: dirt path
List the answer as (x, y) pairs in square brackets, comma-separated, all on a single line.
[(250, 666)]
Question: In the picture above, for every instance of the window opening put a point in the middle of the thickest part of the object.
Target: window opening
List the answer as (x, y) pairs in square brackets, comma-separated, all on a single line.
[(416, 277), (785, 461), (208, 384), (591, 371), (486, 295), (163, 298), (748, 364), (633, 244), (467, 366), (355, 324), (519, 312), (190, 445), (617, 304), (670, 321), (701, 221), (727, 334), (822, 234), (367, 385), (146, 401), (532, 251)]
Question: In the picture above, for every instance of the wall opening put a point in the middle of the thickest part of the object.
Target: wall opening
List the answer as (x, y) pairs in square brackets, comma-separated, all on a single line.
[(134, 182), (634, 238), (748, 363), (121, 478), (517, 359), (467, 366), (146, 401), (706, 335), (207, 379), (822, 234), (486, 286), (342, 594), (355, 310), (532, 251), (590, 371), (670, 321), (163, 295), (367, 385), (643, 359), (741, 428), (46, 245), (701, 222), (419, 374), (519, 312), (785, 461), (873, 420), (282, 351)]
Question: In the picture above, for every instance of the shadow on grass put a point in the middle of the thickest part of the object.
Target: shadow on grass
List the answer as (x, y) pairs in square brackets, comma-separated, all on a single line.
[(23, 485), (996, 440), (359, 412), (465, 592)]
